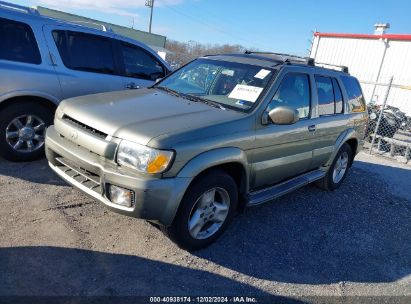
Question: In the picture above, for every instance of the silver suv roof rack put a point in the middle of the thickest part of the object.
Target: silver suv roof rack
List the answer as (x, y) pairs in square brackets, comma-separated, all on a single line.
[(102, 26), (286, 58), (19, 8), (341, 68)]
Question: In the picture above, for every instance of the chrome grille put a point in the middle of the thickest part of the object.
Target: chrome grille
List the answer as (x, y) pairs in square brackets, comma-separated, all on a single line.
[(84, 127)]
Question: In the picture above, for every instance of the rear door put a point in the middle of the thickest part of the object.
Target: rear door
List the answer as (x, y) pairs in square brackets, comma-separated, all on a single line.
[(330, 121), (84, 60), (139, 67)]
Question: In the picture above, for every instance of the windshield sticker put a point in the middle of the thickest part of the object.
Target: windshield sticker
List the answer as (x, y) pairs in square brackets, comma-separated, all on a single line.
[(244, 103), (228, 72), (262, 74), (245, 92)]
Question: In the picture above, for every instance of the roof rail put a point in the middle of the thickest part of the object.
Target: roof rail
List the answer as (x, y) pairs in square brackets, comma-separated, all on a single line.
[(286, 57), (341, 68), (19, 8), (103, 27)]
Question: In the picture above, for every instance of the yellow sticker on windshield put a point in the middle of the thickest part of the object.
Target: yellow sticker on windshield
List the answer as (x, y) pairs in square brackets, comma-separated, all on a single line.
[(245, 92)]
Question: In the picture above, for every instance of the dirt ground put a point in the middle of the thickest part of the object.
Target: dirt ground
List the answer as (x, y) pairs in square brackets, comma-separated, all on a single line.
[(353, 241)]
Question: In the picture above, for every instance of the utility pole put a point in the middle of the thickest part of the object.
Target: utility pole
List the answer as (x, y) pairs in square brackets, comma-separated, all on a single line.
[(150, 4)]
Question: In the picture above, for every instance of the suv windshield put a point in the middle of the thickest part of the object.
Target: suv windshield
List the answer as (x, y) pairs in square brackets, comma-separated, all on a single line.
[(230, 84)]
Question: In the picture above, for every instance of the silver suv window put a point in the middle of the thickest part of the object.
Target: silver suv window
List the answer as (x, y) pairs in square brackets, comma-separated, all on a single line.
[(139, 63), (18, 42), (294, 92), (85, 52)]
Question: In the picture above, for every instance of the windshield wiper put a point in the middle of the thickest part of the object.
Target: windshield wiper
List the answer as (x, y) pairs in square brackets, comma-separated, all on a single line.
[(170, 91), (203, 100), (191, 97)]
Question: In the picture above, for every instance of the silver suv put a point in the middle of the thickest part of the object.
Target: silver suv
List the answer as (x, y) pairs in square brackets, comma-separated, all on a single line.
[(44, 60), (219, 134)]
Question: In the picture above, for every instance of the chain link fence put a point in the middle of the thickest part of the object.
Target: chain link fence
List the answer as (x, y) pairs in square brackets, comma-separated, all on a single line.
[(389, 129)]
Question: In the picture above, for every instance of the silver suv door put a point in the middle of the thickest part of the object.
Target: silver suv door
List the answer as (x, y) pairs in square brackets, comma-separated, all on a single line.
[(284, 151), (84, 60)]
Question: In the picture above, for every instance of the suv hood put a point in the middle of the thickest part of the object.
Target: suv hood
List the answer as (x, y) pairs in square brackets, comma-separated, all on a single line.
[(143, 114)]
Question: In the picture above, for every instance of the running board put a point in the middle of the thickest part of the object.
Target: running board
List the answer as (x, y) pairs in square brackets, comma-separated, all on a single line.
[(268, 194)]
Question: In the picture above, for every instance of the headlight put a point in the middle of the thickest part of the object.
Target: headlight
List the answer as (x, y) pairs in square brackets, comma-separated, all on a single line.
[(143, 158), (373, 116)]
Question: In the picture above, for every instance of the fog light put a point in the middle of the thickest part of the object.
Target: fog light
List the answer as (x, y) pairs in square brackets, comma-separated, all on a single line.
[(121, 196)]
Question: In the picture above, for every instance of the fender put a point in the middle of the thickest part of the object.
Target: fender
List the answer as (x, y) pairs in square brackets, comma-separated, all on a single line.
[(29, 93), (214, 158), (345, 136)]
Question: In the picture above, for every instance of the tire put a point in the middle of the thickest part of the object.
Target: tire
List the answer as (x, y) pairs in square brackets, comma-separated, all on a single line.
[(328, 182), (225, 187), (31, 139)]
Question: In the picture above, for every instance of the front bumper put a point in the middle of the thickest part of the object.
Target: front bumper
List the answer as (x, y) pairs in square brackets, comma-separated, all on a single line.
[(155, 199)]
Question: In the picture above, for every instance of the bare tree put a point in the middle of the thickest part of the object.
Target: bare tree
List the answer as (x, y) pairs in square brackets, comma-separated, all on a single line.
[(183, 52)]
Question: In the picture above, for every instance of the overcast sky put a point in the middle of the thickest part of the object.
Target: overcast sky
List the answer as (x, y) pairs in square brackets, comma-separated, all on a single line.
[(284, 26)]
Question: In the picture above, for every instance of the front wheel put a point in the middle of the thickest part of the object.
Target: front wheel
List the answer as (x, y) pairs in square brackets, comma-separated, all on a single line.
[(22, 131), (338, 169), (205, 211)]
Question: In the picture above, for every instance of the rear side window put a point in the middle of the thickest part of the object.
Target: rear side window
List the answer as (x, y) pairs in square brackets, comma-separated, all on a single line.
[(140, 64), (85, 52), (356, 102), (17, 42), (329, 95)]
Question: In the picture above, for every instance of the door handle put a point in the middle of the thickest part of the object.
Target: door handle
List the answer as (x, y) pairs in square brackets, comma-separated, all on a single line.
[(132, 86), (311, 128)]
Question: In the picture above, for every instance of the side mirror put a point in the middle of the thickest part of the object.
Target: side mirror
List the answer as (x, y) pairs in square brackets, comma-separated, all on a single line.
[(283, 116)]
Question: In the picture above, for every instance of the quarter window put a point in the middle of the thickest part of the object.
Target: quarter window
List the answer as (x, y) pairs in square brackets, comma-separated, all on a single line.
[(356, 102), (18, 42), (294, 92), (338, 97), (140, 64), (85, 52)]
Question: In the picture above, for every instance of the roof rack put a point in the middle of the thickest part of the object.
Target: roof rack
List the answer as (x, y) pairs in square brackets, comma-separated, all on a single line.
[(19, 8), (103, 27), (341, 68), (286, 58)]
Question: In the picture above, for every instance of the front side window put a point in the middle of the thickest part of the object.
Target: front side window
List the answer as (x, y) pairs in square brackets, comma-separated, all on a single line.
[(140, 64), (18, 42), (85, 52), (294, 92), (356, 102), (231, 84)]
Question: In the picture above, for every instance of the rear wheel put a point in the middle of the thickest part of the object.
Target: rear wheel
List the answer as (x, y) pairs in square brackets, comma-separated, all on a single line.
[(22, 131), (205, 211), (338, 169)]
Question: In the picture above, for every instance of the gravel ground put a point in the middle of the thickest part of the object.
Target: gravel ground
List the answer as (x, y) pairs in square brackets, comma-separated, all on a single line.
[(354, 241)]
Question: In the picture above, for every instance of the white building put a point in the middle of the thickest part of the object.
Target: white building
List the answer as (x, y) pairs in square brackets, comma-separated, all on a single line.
[(373, 59)]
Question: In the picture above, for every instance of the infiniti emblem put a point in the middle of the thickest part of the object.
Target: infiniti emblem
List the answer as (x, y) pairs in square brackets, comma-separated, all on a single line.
[(73, 135)]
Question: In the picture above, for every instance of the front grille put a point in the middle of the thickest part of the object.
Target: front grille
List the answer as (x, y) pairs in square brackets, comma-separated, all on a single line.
[(84, 127), (80, 175)]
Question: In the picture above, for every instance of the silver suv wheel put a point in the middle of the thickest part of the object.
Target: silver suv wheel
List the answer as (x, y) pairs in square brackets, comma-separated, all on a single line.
[(209, 213), (340, 167), (26, 133)]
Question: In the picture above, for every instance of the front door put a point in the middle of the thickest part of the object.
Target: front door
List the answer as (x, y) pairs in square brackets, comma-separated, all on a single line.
[(284, 151)]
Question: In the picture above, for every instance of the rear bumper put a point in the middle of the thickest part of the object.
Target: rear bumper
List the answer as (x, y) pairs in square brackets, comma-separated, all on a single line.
[(155, 199)]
